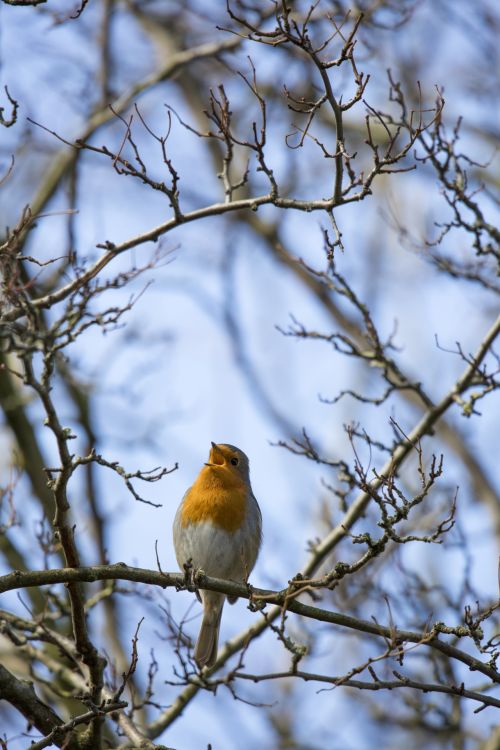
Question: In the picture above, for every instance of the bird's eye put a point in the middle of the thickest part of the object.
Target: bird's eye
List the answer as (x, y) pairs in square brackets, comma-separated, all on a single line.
[(234, 461)]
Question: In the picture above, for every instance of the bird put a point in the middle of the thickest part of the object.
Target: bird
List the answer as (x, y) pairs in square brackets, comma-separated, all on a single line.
[(218, 529)]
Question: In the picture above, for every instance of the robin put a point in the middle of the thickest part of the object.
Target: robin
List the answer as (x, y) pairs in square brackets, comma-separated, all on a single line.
[(218, 527)]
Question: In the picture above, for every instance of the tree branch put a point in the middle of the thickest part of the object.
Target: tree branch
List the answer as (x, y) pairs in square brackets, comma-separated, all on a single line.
[(120, 571)]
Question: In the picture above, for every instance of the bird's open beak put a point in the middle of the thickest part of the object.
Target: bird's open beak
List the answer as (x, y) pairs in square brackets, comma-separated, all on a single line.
[(216, 457)]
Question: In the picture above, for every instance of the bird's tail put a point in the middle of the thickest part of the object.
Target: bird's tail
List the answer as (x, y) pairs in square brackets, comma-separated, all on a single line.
[(205, 652)]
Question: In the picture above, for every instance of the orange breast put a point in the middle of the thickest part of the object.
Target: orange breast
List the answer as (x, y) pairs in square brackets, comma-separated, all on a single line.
[(218, 497)]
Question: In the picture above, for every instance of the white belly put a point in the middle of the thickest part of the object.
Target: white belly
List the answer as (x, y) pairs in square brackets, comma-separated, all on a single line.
[(219, 553)]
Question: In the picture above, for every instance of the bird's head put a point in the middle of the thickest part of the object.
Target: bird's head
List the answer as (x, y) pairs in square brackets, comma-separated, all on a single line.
[(229, 458)]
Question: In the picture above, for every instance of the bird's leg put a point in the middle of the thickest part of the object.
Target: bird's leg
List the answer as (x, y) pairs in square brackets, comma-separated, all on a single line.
[(188, 574), (191, 577), (198, 574)]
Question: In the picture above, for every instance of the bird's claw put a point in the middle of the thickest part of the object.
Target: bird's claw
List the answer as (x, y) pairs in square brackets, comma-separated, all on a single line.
[(192, 577)]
